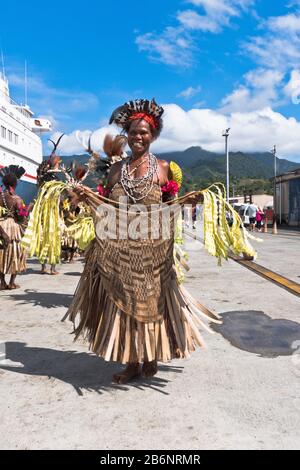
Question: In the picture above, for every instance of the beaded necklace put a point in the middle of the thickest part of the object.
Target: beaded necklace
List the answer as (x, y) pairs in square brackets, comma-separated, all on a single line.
[(138, 188), (8, 211)]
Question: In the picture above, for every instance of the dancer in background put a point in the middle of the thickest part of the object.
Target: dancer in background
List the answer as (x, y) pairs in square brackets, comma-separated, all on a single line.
[(13, 216), (47, 171)]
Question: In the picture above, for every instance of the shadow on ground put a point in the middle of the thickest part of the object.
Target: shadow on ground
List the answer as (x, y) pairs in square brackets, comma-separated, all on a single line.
[(83, 371), (73, 274), (42, 299), (30, 271), (256, 332)]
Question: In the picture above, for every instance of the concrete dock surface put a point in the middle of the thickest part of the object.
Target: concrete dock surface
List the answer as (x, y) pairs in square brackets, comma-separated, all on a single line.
[(241, 392)]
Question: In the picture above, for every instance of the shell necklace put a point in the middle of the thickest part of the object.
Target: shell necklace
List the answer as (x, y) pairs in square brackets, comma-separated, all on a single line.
[(138, 188)]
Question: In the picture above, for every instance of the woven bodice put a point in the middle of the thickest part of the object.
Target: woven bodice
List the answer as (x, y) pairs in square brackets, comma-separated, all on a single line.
[(154, 196), (134, 272), (10, 209)]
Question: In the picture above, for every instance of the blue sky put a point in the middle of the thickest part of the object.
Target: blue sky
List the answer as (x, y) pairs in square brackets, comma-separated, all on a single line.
[(212, 63)]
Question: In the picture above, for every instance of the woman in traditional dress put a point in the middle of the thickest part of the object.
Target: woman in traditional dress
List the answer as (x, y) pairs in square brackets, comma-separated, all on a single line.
[(128, 301), (12, 208)]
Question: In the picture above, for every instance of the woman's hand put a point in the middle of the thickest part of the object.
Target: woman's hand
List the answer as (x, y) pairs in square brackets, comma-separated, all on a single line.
[(76, 196), (194, 198)]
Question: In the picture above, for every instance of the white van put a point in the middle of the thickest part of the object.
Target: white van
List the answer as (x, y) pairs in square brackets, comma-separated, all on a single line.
[(243, 211)]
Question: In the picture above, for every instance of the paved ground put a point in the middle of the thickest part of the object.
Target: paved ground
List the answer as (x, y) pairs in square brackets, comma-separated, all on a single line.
[(242, 391)]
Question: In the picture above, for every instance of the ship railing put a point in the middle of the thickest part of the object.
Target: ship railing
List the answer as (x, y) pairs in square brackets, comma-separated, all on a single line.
[(20, 107)]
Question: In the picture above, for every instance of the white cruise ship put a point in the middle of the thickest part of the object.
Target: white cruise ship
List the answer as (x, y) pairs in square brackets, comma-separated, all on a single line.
[(20, 143)]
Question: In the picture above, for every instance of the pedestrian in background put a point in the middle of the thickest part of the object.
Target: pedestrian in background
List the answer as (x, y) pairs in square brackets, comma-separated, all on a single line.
[(259, 218), (252, 216)]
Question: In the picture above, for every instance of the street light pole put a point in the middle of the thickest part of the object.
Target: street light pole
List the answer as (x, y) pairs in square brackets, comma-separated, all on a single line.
[(274, 152), (226, 135)]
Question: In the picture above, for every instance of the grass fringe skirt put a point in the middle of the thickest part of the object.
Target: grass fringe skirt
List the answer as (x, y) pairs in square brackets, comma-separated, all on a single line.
[(117, 336), (12, 258)]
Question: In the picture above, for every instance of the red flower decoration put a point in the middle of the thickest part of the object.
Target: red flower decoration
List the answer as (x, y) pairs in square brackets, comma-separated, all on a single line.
[(102, 191), (23, 211), (171, 187)]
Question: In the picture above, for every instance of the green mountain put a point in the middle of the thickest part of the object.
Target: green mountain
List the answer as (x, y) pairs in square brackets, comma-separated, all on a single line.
[(252, 165), (248, 171)]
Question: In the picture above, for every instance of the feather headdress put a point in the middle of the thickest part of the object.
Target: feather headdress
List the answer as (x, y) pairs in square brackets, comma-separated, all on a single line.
[(17, 170), (124, 113)]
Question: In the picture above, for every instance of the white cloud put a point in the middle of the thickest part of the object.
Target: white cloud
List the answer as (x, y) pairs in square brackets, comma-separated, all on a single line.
[(287, 23), (250, 131), (277, 53), (278, 45), (217, 13), (292, 88), (175, 45), (261, 89), (192, 20), (172, 47), (264, 79), (222, 7), (76, 142), (189, 92), (274, 51)]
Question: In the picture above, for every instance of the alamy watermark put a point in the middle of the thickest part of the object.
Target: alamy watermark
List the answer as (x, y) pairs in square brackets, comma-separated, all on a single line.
[(142, 222)]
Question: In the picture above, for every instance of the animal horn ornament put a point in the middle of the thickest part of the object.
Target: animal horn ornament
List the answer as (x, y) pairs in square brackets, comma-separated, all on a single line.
[(95, 163), (113, 147), (55, 144)]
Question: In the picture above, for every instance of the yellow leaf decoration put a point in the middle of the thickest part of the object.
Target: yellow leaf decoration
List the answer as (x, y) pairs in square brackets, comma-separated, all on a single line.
[(219, 237), (176, 173), (82, 230), (2, 211), (43, 234)]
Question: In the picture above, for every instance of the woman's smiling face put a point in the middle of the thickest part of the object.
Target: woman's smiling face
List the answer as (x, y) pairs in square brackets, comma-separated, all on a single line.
[(139, 137)]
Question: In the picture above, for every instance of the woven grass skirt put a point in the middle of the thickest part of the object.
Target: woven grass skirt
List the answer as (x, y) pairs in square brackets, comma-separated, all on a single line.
[(117, 336), (12, 258)]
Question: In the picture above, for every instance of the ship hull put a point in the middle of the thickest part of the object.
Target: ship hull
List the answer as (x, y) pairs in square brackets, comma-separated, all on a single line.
[(27, 191), (27, 188)]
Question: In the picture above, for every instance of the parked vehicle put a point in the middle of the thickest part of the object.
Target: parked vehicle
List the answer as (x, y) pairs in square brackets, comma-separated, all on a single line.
[(244, 213)]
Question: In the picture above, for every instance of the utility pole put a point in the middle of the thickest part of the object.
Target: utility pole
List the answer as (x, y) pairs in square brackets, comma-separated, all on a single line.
[(226, 135), (274, 229)]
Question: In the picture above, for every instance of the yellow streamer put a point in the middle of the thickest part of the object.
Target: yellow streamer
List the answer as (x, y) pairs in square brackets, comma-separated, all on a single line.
[(176, 173)]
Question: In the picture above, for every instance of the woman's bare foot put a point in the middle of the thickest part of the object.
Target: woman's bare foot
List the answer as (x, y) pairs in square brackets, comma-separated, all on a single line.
[(149, 369), (54, 273), (3, 286), (13, 286), (131, 371)]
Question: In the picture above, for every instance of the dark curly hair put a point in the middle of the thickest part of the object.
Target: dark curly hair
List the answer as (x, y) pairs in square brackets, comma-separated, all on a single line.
[(154, 131), (10, 180)]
